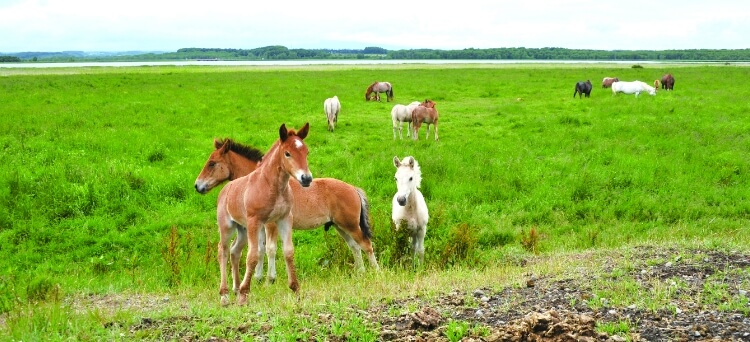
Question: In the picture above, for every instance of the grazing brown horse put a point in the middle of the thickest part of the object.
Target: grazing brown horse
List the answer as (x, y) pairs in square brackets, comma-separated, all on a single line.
[(377, 88), (607, 81), (424, 113), (667, 82), (656, 84), (326, 202), (264, 196)]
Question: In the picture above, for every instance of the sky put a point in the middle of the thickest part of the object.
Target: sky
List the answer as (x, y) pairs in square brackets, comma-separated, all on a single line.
[(117, 25)]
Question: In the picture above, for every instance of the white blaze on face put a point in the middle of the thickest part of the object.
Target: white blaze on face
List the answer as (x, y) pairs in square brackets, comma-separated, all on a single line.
[(298, 144)]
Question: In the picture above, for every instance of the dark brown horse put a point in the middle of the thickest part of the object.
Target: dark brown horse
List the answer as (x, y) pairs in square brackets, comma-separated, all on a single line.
[(582, 88), (667, 82)]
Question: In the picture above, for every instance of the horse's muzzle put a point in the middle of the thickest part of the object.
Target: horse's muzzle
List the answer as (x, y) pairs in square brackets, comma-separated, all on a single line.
[(401, 200), (202, 189), (305, 180)]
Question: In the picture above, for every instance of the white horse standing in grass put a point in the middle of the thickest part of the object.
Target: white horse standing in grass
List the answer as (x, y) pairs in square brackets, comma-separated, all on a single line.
[(635, 87), (409, 204), (400, 114), (332, 107)]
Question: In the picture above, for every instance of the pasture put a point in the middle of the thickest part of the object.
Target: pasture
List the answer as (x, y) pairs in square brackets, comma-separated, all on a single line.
[(97, 198)]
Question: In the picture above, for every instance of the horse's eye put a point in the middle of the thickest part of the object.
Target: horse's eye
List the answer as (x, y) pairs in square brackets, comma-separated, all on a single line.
[(287, 154), (410, 178), (211, 164)]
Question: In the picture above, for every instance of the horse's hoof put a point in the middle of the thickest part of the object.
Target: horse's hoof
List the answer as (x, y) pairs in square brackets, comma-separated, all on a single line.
[(271, 280), (224, 300), (242, 299)]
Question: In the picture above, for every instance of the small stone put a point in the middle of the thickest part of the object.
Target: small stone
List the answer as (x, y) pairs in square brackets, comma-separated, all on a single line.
[(478, 293), (485, 299), (479, 313), (612, 312), (632, 307), (677, 311), (668, 264), (697, 333), (743, 293)]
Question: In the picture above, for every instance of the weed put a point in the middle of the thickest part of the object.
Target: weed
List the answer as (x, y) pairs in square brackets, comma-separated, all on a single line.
[(456, 330), (41, 289), (171, 255), (460, 245), (530, 241)]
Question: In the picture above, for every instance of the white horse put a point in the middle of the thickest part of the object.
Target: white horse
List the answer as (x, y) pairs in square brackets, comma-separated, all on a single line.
[(635, 87), (409, 204), (400, 114), (332, 107)]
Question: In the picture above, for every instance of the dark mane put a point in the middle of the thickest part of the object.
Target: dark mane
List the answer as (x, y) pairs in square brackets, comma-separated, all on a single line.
[(246, 151)]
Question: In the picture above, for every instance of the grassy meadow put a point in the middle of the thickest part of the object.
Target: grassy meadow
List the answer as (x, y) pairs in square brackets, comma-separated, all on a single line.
[(98, 165)]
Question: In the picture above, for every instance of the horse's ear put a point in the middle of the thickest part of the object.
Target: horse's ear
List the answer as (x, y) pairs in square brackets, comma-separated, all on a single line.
[(302, 133), (283, 133), (223, 148), (217, 144), (411, 163), (396, 162)]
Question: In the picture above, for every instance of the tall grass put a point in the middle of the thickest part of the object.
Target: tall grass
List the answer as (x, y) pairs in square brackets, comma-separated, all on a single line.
[(96, 188)]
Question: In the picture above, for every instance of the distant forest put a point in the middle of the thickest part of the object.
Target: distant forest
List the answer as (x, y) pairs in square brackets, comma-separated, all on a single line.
[(284, 53)]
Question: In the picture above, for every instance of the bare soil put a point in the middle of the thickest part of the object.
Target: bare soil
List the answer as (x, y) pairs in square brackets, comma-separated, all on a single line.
[(707, 300)]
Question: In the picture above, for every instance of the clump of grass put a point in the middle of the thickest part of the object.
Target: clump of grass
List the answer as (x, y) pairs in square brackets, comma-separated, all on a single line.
[(41, 289), (530, 241), (461, 244)]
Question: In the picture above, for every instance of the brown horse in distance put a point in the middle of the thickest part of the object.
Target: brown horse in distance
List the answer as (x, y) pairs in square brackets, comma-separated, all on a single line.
[(607, 81), (327, 201), (667, 82), (424, 113)]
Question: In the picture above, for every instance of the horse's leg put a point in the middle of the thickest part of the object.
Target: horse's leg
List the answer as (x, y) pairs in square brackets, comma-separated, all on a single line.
[(353, 246), (272, 236), (284, 226), (253, 225), (418, 243), (235, 253), (436, 134), (261, 251), (427, 136), (225, 234)]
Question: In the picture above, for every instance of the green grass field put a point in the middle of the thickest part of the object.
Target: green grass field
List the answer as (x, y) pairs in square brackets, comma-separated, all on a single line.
[(98, 165)]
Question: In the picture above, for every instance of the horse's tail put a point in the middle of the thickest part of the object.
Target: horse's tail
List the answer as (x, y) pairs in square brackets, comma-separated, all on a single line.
[(364, 214), (390, 92)]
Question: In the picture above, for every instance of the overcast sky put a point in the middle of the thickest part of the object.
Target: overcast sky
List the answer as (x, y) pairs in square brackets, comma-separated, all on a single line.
[(116, 25)]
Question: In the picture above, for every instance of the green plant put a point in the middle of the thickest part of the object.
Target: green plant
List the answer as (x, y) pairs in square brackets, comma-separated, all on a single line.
[(456, 330)]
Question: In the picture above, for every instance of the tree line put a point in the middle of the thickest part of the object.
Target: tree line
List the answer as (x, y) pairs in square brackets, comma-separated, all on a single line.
[(278, 52)]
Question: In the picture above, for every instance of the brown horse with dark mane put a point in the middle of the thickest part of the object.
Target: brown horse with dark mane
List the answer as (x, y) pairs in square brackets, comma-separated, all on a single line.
[(247, 204), (667, 82), (326, 202)]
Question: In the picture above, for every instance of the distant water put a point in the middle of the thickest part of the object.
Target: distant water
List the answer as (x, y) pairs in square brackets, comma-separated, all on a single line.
[(315, 62)]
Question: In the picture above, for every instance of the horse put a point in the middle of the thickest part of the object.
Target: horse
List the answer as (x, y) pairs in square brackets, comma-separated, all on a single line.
[(427, 113), (377, 88), (656, 84), (582, 88), (667, 82), (409, 205), (402, 113), (635, 87), (332, 107), (327, 201), (607, 81), (248, 203)]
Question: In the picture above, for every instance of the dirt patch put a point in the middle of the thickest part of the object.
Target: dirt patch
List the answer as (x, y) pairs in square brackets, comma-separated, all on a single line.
[(570, 309), (642, 294)]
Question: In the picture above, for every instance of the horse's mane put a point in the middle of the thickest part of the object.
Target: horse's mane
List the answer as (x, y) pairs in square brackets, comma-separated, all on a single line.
[(246, 151), (417, 171)]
